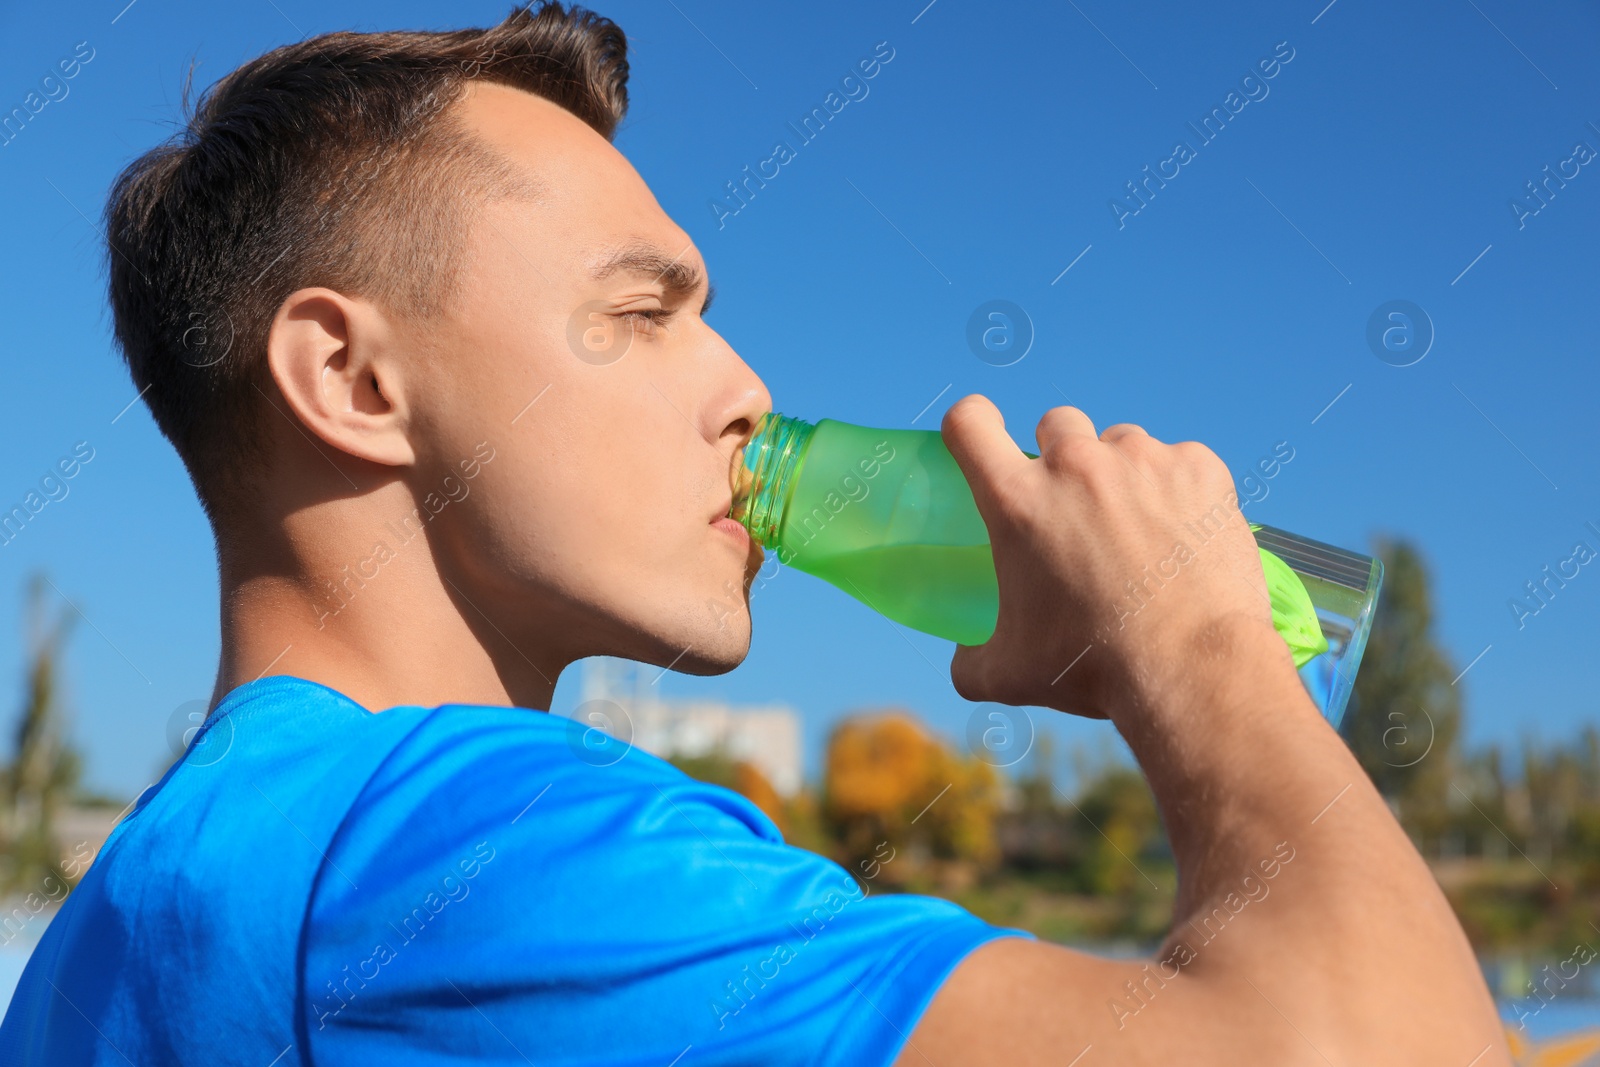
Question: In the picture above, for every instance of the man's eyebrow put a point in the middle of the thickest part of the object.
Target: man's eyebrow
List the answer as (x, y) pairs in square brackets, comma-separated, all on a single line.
[(651, 261)]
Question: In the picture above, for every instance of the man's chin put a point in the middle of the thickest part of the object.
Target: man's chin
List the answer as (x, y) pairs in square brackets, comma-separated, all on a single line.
[(716, 658), (714, 648), (709, 642)]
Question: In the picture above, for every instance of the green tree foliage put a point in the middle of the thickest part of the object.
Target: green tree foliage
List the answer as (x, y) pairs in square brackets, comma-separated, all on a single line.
[(1087, 864), (1563, 796), (44, 769), (1405, 716), (1125, 833), (1514, 836)]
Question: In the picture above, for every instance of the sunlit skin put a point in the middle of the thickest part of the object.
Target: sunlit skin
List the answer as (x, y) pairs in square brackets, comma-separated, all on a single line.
[(594, 529), (597, 528)]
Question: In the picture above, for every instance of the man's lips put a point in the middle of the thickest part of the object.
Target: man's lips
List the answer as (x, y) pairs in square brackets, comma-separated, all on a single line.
[(735, 531), (733, 528)]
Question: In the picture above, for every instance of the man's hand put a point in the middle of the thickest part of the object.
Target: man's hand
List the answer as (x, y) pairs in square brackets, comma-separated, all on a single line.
[(1306, 927), (1117, 557)]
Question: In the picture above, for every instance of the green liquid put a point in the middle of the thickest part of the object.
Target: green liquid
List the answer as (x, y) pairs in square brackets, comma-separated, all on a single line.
[(938, 589), (887, 516)]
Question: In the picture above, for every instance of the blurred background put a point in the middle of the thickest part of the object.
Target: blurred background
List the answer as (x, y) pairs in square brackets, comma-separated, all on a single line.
[(1358, 236)]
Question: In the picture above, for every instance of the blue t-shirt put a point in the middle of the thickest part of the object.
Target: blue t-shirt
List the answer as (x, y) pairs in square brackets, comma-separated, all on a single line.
[(316, 884)]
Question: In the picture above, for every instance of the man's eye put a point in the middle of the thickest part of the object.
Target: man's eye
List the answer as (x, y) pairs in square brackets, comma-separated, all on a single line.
[(647, 319)]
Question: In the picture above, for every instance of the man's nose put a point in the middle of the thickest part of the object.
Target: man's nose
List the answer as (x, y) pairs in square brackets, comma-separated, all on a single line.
[(745, 400)]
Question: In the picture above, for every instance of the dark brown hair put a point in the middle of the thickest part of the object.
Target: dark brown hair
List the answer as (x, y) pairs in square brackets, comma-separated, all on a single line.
[(333, 162)]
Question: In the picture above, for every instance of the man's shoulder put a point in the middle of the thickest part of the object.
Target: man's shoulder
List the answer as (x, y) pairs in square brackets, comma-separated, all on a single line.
[(541, 887), (387, 886), (464, 766), (320, 760), (206, 879), (544, 785)]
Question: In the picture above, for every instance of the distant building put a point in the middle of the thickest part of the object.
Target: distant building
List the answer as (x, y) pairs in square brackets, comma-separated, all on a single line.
[(767, 736)]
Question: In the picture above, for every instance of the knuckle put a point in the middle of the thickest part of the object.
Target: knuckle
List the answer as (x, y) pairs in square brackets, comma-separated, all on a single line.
[(1058, 418), (1200, 458), (1074, 452), (1124, 429), (1137, 447), (1098, 469), (963, 412)]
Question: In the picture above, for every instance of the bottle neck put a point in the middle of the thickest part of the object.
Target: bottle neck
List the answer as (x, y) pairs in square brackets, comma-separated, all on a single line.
[(764, 476)]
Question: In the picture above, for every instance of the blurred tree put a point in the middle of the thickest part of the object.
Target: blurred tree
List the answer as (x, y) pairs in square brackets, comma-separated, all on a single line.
[(888, 783), (742, 777), (1125, 835), (1486, 808), (960, 824), (1034, 836), (1405, 718), (44, 768), (1036, 784), (1562, 787)]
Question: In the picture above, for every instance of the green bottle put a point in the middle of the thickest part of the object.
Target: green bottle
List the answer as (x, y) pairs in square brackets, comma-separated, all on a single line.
[(888, 517)]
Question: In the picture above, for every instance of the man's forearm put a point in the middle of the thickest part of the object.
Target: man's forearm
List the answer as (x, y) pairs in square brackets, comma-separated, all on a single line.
[(1234, 748), (1281, 840)]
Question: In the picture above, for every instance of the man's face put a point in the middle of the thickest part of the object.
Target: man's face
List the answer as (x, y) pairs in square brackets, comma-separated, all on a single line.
[(577, 351)]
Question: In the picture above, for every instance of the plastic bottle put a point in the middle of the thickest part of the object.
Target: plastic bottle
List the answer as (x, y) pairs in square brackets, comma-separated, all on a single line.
[(888, 517)]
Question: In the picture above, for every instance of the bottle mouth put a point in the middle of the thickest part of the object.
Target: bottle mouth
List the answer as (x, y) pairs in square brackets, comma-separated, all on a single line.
[(762, 475)]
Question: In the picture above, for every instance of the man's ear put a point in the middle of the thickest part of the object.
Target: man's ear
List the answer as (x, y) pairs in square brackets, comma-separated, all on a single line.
[(335, 361)]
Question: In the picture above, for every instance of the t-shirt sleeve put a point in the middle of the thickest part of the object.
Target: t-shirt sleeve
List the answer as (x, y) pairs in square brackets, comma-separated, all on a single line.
[(501, 894)]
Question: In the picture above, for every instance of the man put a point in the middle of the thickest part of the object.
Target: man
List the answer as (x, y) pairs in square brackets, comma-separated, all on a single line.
[(435, 360)]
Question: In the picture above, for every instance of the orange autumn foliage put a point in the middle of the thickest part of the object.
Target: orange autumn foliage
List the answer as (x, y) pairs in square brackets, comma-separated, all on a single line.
[(889, 781)]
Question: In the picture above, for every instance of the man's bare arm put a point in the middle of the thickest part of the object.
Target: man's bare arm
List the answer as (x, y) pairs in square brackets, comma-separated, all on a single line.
[(1307, 929)]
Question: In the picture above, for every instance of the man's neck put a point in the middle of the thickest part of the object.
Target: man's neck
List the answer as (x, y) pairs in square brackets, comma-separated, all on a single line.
[(381, 625)]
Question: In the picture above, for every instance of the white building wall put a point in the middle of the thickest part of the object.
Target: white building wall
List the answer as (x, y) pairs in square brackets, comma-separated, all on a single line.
[(766, 736)]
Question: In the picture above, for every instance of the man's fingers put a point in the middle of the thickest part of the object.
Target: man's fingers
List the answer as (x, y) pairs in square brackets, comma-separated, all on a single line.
[(1111, 434), (975, 434), (1059, 423)]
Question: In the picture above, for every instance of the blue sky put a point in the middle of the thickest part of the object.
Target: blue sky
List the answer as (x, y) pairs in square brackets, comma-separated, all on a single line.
[(980, 163)]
